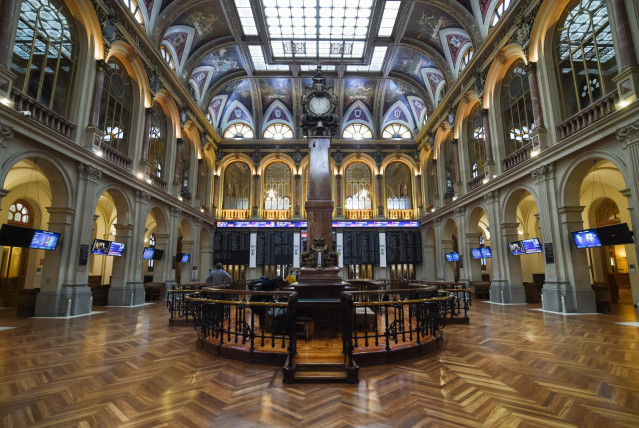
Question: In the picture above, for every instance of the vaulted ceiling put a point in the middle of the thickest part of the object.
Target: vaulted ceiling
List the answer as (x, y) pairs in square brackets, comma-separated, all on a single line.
[(247, 61)]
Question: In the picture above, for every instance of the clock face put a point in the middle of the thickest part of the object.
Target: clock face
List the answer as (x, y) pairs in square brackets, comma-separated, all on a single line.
[(319, 105)]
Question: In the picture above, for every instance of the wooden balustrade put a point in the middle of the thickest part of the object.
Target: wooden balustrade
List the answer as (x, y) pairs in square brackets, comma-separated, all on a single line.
[(359, 214), (519, 156), (236, 214), (115, 157), (476, 182), (158, 182), (52, 120), (277, 214), (589, 115), (399, 214)]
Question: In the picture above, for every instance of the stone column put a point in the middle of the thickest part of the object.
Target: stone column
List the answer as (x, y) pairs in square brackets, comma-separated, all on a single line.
[(428, 263), (380, 195), (159, 266), (9, 12), (489, 166), (3, 193), (339, 178), (448, 267), (186, 268), (256, 194), (199, 185), (297, 195), (457, 184), (435, 181), (177, 177), (539, 134), (472, 266), (169, 266), (136, 247), (500, 253), (627, 79), (94, 135), (462, 246), (440, 260), (418, 196), (216, 181), (121, 293), (513, 291), (146, 138)]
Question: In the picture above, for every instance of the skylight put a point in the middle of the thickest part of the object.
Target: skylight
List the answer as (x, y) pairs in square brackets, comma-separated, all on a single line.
[(388, 18), (246, 17), (259, 62), (314, 67), (317, 28), (376, 61)]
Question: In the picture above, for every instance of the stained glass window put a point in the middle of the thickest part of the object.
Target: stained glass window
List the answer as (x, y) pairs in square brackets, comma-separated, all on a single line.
[(396, 131), (357, 131), (238, 130), (278, 131)]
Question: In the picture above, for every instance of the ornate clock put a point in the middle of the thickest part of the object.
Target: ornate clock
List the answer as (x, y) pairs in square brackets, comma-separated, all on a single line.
[(318, 107)]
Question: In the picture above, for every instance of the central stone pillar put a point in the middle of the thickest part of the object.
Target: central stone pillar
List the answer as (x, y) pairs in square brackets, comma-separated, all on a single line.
[(319, 277)]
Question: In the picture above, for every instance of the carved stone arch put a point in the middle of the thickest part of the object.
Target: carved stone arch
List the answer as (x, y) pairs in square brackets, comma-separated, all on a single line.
[(161, 217), (276, 157), (464, 108), (359, 157), (164, 98), (134, 68), (121, 198), (186, 228), (234, 157), (497, 71), (398, 157), (473, 216), (450, 225), (84, 12), (548, 15), (510, 201), (444, 130), (192, 134)]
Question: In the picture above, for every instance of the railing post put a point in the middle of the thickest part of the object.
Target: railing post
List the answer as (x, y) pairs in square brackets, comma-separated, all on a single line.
[(292, 329), (346, 305)]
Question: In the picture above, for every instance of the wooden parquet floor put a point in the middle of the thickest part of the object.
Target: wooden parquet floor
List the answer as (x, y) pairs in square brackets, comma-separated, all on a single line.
[(511, 367)]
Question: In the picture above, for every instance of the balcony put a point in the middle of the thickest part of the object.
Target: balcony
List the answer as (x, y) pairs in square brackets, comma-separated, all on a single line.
[(186, 195), (359, 214), (448, 196), (42, 114), (476, 182), (276, 214), (399, 214), (589, 115), (115, 157), (519, 156), (236, 214), (158, 182)]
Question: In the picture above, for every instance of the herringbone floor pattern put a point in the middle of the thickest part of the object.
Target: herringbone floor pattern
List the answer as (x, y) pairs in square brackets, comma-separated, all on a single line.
[(511, 367)]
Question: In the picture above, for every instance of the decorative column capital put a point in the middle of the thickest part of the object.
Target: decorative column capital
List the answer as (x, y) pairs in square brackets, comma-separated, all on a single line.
[(88, 172), (629, 135), (6, 135), (142, 197), (492, 196), (543, 173), (148, 111), (175, 211), (459, 211)]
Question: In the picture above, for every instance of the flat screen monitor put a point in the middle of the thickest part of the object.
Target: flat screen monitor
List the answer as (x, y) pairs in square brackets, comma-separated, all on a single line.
[(476, 252), (586, 238), (516, 248), (158, 254), (44, 240), (147, 254), (101, 247), (531, 245), (486, 253), (617, 234), (116, 249), (452, 257), (185, 258), (15, 236)]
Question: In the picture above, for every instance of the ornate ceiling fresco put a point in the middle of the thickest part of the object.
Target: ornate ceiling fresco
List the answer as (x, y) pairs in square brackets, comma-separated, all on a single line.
[(232, 63)]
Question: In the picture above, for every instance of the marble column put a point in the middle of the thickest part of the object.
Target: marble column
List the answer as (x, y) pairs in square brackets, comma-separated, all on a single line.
[(146, 138), (297, 195), (380, 195), (457, 184), (9, 12), (418, 196), (339, 178), (489, 166), (256, 194), (98, 84), (627, 79), (177, 176), (539, 134)]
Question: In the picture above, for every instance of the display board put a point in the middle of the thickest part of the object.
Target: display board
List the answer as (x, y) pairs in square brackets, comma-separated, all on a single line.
[(361, 247), (275, 247), (231, 247), (403, 246)]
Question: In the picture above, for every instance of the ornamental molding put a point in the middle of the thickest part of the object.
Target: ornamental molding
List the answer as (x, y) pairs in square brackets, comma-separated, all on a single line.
[(6, 135), (543, 173), (629, 135), (492, 196), (88, 172), (142, 197), (175, 211), (459, 211)]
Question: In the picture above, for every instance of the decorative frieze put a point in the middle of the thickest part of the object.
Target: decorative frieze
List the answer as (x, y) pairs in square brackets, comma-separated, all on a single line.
[(629, 135), (142, 197), (544, 172), (88, 172), (492, 196)]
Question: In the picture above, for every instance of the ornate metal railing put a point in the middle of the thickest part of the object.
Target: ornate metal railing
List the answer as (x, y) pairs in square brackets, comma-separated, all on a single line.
[(253, 321), (399, 214), (236, 214), (589, 115), (476, 182), (519, 156), (394, 319), (158, 182), (115, 157), (177, 304), (359, 214), (40, 113), (462, 299), (276, 214)]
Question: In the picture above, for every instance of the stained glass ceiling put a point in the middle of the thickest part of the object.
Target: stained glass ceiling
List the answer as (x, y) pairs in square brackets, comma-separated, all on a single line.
[(303, 30)]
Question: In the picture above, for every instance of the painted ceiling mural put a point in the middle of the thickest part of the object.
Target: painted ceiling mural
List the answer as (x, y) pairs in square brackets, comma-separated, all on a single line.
[(276, 89), (359, 90), (208, 21), (239, 104), (214, 66), (398, 92)]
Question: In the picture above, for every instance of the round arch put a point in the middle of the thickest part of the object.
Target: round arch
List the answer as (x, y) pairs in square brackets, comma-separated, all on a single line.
[(276, 157), (359, 157), (134, 67), (497, 71)]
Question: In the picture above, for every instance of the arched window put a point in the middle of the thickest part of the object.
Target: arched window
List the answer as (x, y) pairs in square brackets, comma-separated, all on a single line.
[(357, 131), (358, 187), (396, 131), (516, 107), (20, 213), (44, 53), (115, 111), (398, 186), (466, 57), (157, 141), (134, 8), (278, 131), (475, 137), (277, 187), (166, 54), (585, 55), (237, 186), (499, 11), (238, 130)]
